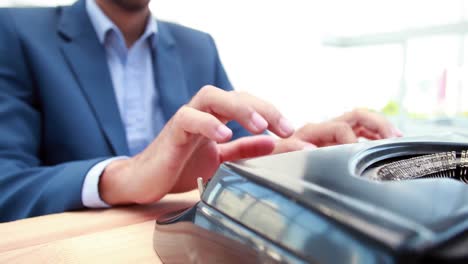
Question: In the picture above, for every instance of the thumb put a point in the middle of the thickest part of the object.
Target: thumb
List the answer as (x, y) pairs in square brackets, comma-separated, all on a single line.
[(247, 147)]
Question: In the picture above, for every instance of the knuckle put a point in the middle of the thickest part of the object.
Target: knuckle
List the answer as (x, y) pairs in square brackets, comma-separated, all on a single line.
[(202, 97), (181, 115), (341, 126), (241, 96), (239, 105), (240, 93), (238, 102), (309, 126), (344, 133), (235, 98), (359, 113), (207, 90), (306, 129), (202, 94)]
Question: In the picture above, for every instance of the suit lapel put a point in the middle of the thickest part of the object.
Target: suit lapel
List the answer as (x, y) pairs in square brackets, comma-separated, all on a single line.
[(168, 72), (87, 59)]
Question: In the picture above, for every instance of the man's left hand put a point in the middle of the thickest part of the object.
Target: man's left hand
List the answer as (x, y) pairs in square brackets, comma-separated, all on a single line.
[(344, 129)]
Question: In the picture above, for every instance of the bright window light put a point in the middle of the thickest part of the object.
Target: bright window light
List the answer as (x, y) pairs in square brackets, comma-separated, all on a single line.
[(274, 49)]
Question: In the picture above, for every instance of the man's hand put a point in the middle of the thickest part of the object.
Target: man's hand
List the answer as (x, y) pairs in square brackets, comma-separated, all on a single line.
[(193, 144), (344, 129)]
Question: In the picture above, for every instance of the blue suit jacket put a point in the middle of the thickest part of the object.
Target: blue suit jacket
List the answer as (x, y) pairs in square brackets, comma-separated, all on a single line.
[(58, 112)]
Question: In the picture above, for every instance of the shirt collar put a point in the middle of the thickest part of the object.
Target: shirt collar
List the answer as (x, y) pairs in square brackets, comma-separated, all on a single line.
[(102, 24)]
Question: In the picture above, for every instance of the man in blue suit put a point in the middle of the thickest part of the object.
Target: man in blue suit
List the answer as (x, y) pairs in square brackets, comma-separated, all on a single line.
[(100, 105)]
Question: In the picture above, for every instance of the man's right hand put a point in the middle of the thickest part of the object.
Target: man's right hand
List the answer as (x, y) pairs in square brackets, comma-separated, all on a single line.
[(193, 144)]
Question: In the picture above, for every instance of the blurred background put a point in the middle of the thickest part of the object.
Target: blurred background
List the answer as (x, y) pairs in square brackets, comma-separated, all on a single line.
[(317, 59)]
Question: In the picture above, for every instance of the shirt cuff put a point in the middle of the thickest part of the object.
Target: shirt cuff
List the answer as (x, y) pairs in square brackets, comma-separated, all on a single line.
[(90, 191)]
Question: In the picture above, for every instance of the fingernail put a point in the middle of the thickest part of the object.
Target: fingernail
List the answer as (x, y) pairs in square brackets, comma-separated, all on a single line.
[(223, 132), (258, 122), (285, 126)]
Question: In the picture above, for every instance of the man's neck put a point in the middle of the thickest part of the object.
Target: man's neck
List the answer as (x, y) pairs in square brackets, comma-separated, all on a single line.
[(132, 23)]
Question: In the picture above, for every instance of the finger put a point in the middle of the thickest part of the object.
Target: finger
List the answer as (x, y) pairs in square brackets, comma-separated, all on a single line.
[(276, 122), (371, 121), (327, 133), (246, 147), (189, 121), (292, 144), (397, 132), (227, 106), (252, 113), (361, 131)]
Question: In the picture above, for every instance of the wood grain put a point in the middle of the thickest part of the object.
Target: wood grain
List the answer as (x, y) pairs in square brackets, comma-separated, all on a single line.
[(128, 244), (75, 236)]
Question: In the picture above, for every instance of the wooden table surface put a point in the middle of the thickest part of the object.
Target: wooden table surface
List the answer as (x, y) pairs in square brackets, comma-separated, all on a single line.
[(116, 235)]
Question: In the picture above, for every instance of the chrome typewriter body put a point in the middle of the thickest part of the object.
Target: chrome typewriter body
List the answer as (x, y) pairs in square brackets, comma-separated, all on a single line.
[(389, 201)]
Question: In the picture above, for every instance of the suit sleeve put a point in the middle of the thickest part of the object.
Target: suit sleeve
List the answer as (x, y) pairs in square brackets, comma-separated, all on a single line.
[(27, 186), (222, 81)]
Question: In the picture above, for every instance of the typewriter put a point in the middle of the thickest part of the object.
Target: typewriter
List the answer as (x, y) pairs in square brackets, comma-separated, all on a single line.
[(388, 201)]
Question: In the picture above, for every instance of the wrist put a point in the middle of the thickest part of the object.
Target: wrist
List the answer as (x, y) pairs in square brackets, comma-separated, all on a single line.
[(113, 187)]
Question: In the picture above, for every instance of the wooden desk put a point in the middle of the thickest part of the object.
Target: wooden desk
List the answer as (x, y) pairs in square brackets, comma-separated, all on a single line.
[(117, 235)]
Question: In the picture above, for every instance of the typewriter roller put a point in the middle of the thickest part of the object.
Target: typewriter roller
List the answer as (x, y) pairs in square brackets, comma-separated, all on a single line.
[(438, 165)]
